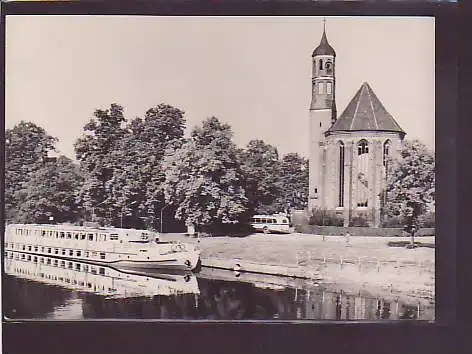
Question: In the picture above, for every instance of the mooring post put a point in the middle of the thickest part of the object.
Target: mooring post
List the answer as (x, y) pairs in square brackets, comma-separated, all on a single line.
[(378, 265), (341, 262)]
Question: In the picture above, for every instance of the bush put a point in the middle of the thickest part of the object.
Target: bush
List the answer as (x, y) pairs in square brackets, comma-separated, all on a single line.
[(359, 221), (427, 220), (394, 221), (325, 218)]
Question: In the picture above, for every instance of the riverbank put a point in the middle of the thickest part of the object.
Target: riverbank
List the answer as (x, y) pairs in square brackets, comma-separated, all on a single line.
[(363, 264)]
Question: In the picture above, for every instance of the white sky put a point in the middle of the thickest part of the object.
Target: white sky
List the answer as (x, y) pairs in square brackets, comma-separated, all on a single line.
[(251, 72)]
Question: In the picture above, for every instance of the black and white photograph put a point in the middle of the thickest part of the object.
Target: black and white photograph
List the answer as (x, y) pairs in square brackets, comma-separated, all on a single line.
[(214, 168)]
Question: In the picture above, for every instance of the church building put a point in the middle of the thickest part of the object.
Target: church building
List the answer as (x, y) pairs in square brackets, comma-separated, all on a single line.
[(347, 154)]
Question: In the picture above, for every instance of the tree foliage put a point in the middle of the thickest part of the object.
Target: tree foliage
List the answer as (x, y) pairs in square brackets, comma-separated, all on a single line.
[(261, 168), (410, 182), (51, 191), (292, 183), (122, 162), (96, 152), (203, 179), (26, 147)]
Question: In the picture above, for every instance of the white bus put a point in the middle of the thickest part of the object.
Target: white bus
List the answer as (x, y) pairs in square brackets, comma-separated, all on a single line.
[(271, 223)]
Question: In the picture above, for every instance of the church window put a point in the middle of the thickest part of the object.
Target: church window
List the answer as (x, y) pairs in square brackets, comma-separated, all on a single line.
[(329, 88), (341, 175), (321, 64), (321, 87), (386, 151), (362, 173)]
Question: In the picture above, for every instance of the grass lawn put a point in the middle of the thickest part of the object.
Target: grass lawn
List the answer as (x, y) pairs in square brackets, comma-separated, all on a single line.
[(293, 248)]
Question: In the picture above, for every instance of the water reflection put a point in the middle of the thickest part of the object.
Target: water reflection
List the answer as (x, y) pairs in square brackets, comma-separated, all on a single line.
[(76, 290)]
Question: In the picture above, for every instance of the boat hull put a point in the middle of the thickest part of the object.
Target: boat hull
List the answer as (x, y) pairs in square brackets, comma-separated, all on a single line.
[(181, 261)]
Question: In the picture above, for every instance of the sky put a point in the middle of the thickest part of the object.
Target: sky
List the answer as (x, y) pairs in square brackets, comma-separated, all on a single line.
[(253, 73)]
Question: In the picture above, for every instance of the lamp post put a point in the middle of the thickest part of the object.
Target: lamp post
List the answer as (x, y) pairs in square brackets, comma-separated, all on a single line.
[(122, 209), (93, 210)]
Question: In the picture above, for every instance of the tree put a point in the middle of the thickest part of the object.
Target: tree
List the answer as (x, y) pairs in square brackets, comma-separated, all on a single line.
[(51, 193), (26, 147), (410, 184), (140, 177), (260, 165), (96, 153), (292, 183), (203, 179)]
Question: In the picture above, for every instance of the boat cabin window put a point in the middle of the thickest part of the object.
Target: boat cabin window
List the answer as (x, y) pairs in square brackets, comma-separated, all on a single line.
[(101, 271), (90, 237), (69, 235), (63, 252), (63, 264), (79, 254), (48, 261), (76, 235), (71, 253), (62, 235), (56, 251), (49, 250), (43, 232), (56, 262), (103, 237), (102, 255), (77, 266), (113, 237)]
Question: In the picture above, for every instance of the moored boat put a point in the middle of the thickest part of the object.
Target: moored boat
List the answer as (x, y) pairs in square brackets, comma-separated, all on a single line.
[(120, 248)]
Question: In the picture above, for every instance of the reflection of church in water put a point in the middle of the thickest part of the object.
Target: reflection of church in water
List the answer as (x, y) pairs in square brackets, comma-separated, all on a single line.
[(348, 154)]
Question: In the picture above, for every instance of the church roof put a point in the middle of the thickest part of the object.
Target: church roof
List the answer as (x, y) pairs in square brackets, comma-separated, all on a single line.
[(324, 48), (365, 112)]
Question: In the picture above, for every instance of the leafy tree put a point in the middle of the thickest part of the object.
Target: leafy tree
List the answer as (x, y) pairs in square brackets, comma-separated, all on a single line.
[(140, 176), (51, 192), (96, 153), (292, 183), (203, 179), (410, 184), (26, 147), (260, 165)]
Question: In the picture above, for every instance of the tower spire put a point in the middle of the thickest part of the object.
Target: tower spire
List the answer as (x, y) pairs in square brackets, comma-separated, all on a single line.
[(324, 24)]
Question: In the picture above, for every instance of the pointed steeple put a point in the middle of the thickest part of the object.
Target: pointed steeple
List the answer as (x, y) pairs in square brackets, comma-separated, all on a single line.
[(324, 48)]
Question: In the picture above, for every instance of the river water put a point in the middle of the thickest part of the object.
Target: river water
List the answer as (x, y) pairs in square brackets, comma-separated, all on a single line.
[(63, 290)]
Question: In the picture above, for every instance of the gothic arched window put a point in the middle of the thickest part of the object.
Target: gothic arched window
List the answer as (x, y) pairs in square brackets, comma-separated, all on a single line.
[(329, 88), (341, 175), (362, 173), (386, 152), (321, 64)]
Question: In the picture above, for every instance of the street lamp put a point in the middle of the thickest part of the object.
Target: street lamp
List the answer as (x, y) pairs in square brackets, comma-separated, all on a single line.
[(93, 210), (122, 209)]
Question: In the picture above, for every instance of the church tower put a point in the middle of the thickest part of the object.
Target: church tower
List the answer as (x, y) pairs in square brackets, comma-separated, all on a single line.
[(322, 116)]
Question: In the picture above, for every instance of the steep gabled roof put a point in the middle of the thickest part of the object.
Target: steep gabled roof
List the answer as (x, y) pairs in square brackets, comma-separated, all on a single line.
[(366, 112)]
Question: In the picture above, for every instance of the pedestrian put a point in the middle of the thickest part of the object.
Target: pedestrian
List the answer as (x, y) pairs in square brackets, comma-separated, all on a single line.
[(347, 237)]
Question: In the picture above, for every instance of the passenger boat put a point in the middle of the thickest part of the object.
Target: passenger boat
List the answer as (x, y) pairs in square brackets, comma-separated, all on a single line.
[(120, 248), (100, 280)]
